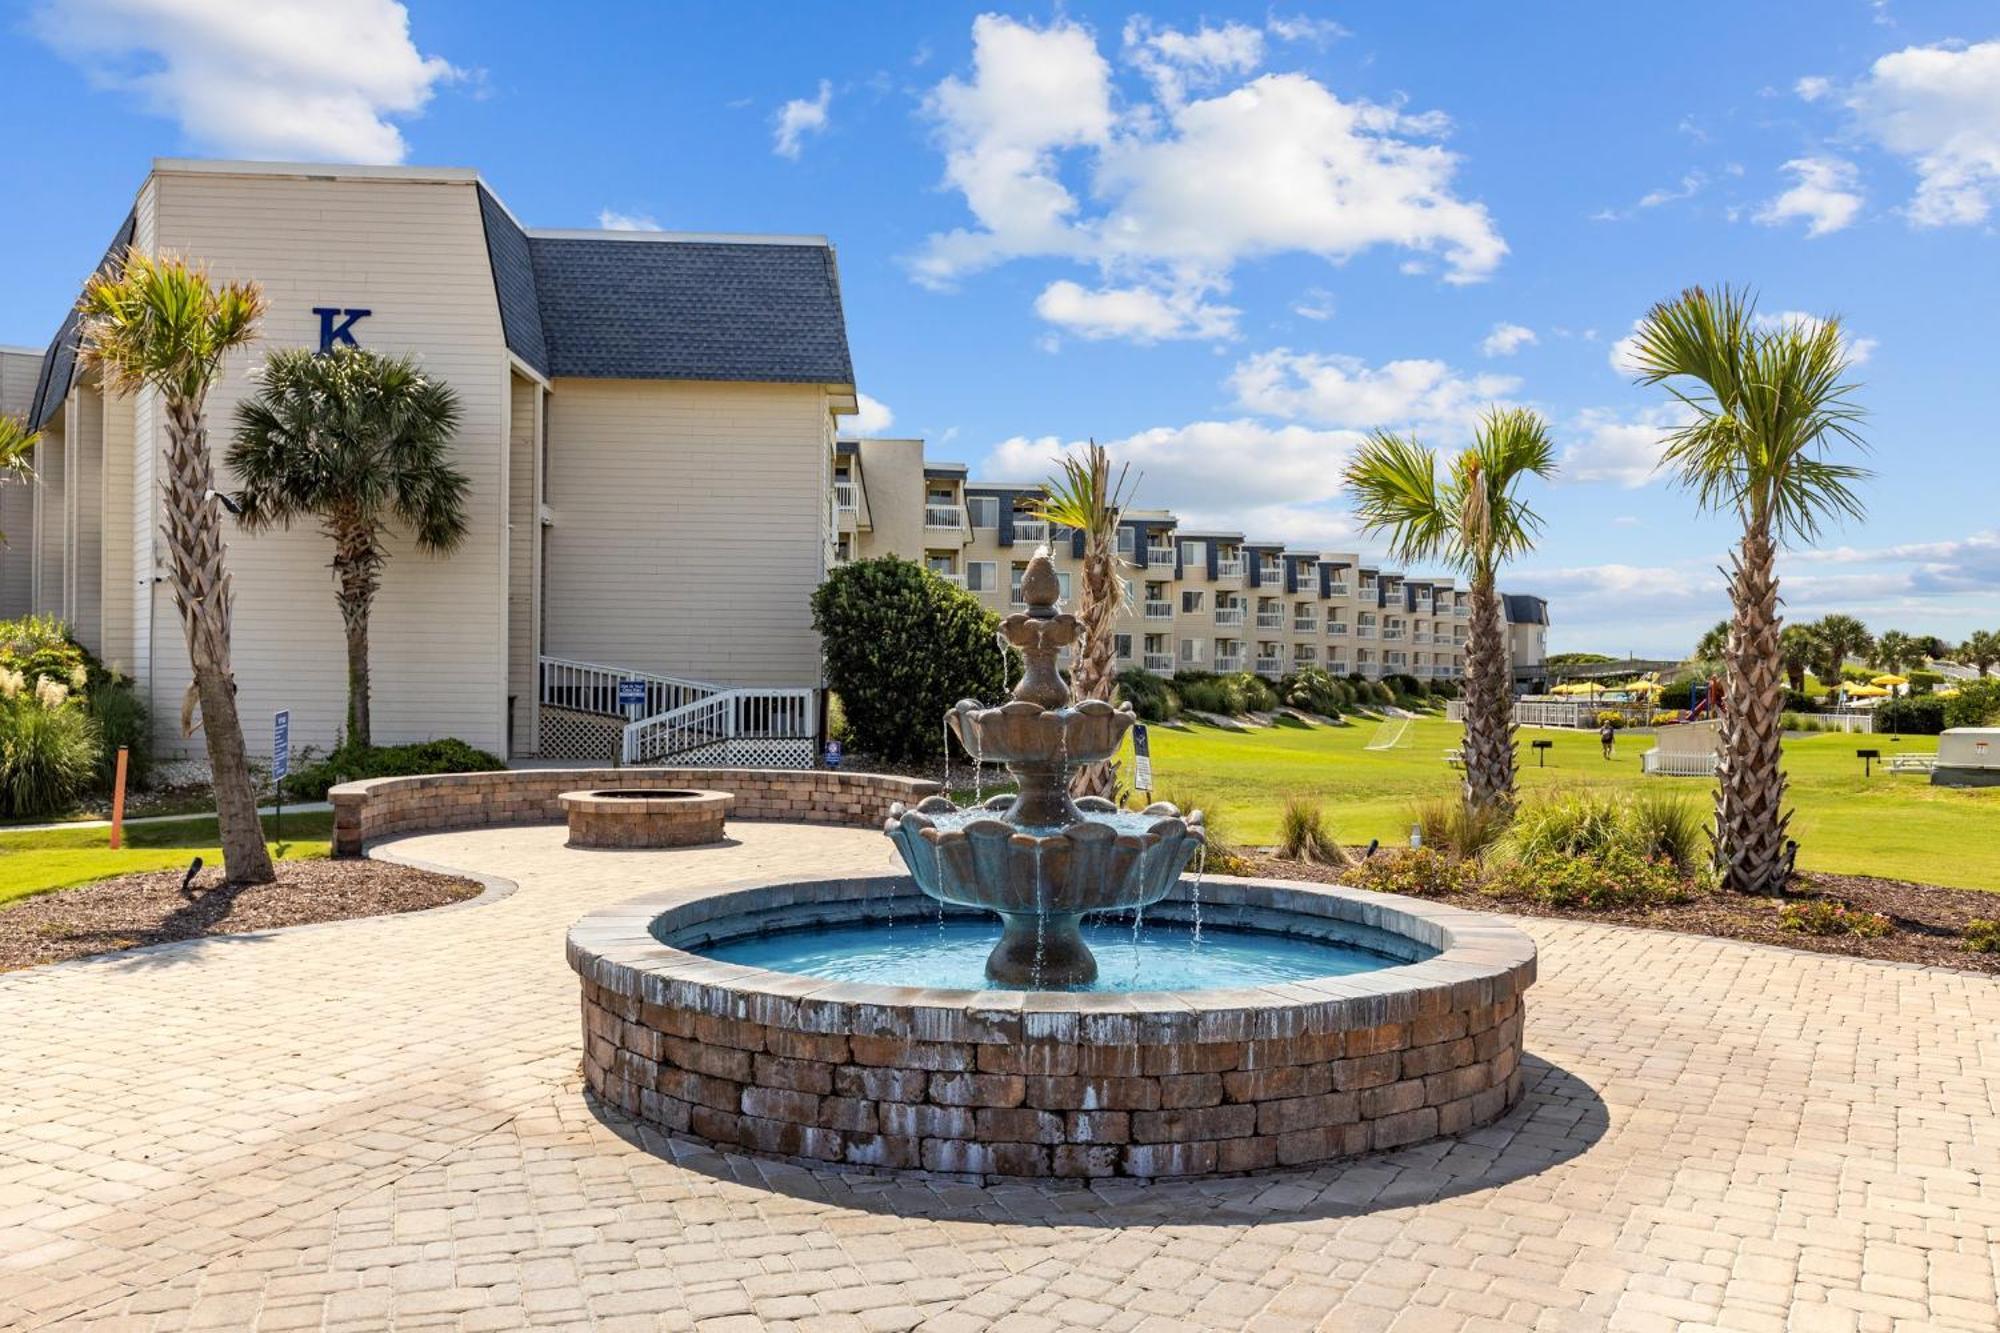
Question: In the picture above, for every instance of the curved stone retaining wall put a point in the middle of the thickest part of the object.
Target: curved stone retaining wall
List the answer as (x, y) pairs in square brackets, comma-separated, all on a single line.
[(364, 812), (1008, 1083)]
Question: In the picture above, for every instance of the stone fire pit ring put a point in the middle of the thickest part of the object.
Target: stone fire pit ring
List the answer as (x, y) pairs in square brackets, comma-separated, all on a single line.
[(642, 817), (1036, 1083)]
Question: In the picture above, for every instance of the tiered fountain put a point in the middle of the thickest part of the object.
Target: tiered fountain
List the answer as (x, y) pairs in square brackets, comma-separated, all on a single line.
[(1038, 858)]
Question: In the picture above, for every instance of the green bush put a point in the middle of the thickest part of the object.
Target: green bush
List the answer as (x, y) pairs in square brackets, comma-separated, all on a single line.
[(40, 648), (120, 718), (1830, 916), (1615, 877), (1802, 722), (1982, 935), (1223, 856), (1303, 835), (1925, 680), (1569, 824), (48, 752), (1258, 694), (1312, 690), (1610, 718), (1977, 704), (902, 646), (1206, 693), (1919, 716), (1661, 826), (1459, 828), (350, 764), (1421, 872), (1151, 697)]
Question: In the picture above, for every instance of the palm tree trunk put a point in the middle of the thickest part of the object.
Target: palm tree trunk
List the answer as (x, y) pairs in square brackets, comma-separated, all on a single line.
[(1095, 675), (1489, 704), (357, 562), (193, 529), (1750, 820)]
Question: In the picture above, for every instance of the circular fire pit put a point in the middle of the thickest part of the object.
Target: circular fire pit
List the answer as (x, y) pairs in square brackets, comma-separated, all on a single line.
[(1146, 1080), (639, 818)]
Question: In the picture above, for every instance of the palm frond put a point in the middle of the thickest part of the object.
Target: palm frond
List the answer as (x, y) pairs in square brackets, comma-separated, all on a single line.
[(1395, 490), (159, 322)]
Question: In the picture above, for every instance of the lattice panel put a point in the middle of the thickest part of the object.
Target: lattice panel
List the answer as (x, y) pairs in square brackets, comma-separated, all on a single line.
[(569, 735), (745, 752)]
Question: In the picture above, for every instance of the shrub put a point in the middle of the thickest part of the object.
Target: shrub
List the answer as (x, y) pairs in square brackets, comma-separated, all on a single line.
[(1830, 916), (351, 764), (1223, 856), (1312, 690), (1925, 680), (1921, 716), (1258, 696), (1678, 694), (1458, 828), (836, 719), (1403, 684), (1576, 823), (40, 648), (1303, 835), (1801, 722), (1421, 872), (120, 718), (1662, 826), (1977, 704), (1669, 717), (1982, 935), (1614, 877), (1610, 718), (902, 646), (1152, 698), (1206, 693), (48, 750)]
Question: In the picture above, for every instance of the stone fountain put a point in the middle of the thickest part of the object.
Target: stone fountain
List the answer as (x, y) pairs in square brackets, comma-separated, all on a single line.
[(1038, 858)]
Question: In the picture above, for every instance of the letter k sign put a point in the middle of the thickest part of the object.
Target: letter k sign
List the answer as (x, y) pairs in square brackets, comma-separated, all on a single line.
[(331, 333)]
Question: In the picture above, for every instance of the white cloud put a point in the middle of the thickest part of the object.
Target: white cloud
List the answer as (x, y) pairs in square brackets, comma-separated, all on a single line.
[(1345, 391), (1304, 28), (1812, 87), (1175, 61), (319, 80), (612, 220), (1182, 188), (1623, 355), (1607, 447), (798, 118), (873, 419), (1939, 107), (1858, 349), (1141, 314), (1825, 193), (1507, 339), (1316, 305)]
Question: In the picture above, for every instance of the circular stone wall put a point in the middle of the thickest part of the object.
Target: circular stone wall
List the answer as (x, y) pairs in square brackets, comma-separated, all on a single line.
[(644, 818), (1013, 1083)]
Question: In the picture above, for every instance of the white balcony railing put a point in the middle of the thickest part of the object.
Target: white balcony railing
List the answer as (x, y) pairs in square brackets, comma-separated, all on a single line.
[(1304, 625), (1364, 631), (846, 497), (1338, 590), (1159, 610), (1270, 620), (1271, 666), (1228, 615), (944, 518), (1337, 665), (1229, 662), (1270, 573), (1160, 662), (1392, 634), (1030, 530), (1461, 610), (1229, 569), (1336, 628), (950, 576), (1159, 555), (1420, 636)]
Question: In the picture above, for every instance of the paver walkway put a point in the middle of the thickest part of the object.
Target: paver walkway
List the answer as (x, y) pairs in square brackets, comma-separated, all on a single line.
[(378, 1124)]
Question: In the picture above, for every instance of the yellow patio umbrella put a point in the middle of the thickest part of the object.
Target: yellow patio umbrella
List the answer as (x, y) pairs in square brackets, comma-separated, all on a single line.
[(1645, 687), (1891, 680), (1866, 692)]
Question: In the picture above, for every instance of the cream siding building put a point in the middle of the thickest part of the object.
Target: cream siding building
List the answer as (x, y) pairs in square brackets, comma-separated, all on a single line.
[(647, 425)]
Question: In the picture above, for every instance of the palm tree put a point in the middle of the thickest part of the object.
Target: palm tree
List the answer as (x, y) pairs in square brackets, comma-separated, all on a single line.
[(17, 446), (1800, 647), (351, 438), (1471, 519), (1712, 645), (1840, 637), (1980, 650), (1765, 402), (1085, 497), (159, 324), (1895, 651)]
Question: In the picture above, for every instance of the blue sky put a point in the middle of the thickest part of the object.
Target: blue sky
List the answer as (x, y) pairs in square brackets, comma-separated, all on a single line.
[(1227, 240)]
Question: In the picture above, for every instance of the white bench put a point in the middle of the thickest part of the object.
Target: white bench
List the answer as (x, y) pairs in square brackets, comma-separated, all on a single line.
[(1912, 763), (1454, 758)]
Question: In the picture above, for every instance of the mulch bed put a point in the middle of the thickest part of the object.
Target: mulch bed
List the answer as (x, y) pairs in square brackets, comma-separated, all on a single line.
[(149, 908), (1927, 919)]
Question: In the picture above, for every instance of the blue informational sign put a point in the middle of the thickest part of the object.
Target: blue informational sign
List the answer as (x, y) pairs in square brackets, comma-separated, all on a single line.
[(281, 745), (833, 754), (1142, 758), (631, 694)]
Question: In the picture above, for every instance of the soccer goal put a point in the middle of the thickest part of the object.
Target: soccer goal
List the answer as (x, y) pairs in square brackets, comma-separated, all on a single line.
[(1390, 734)]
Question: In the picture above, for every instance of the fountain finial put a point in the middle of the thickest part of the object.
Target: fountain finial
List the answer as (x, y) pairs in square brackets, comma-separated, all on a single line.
[(1040, 633)]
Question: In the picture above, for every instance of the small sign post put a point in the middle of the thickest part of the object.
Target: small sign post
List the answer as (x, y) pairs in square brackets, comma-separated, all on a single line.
[(281, 763), (1142, 759), (1867, 758), (834, 754), (632, 698), (118, 802), (1541, 752)]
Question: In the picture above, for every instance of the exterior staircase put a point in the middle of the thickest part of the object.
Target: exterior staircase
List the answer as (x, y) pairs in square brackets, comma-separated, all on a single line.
[(681, 723)]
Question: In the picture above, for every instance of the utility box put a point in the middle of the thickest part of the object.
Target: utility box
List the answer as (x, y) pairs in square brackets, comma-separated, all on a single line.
[(1968, 757)]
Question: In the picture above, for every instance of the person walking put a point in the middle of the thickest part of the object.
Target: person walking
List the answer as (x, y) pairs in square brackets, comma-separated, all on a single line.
[(1607, 736)]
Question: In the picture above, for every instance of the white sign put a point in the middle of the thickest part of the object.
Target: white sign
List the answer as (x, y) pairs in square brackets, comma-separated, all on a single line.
[(281, 745), (1142, 759)]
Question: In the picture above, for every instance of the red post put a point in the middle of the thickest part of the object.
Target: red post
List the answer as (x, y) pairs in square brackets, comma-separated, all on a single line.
[(118, 802)]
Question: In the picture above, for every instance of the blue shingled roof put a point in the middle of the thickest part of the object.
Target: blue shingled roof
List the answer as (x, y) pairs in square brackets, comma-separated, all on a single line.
[(668, 308), (59, 363)]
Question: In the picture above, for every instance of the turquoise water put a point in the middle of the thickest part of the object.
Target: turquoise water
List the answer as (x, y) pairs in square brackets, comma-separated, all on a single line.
[(951, 955)]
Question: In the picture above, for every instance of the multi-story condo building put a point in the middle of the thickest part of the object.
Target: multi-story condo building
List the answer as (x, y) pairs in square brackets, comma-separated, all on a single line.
[(1197, 600)]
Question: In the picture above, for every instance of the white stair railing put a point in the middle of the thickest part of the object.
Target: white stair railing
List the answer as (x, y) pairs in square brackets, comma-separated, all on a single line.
[(730, 715), (589, 687)]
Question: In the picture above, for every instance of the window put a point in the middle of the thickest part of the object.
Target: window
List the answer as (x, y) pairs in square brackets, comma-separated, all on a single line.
[(1125, 543), (1194, 553), (1122, 645), (982, 575), (939, 562), (1190, 650), (984, 509), (1020, 569), (843, 550), (1190, 600), (938, 495), (1062, 582)]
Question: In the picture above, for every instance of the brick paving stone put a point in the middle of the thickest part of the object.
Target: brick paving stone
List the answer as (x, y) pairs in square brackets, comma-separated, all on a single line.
[(381, 1124)]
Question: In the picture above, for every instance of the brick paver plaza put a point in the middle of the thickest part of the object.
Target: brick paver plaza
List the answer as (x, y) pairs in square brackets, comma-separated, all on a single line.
[(380, 1124)]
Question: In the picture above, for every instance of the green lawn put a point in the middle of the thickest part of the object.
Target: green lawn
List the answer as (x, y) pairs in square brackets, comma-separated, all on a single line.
[(34, 862), (1896, 826)]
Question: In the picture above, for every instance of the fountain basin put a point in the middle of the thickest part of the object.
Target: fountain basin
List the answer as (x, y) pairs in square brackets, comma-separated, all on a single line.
[(644, 817), (999, 1082)]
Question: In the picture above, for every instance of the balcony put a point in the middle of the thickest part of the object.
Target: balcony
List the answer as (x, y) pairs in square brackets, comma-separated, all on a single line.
[(1228, 615), (1336, 628), (1392, 634), (944, 518), (1270, 574), (1030, 530), (1364, 631), (1338, 590), (1420, 636), (1271, 666), (846, 497), (1305, 625), (950, 576), (1367, 590), (1228, 663), (1160, 663), (1229, 569), (1159, 555), (1270, 620), (1159, 610), (1461, 610), (1305, 657), (1337, 665)]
